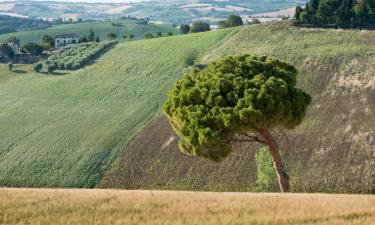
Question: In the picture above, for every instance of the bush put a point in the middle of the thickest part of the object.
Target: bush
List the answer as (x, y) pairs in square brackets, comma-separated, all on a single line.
[(254, 21), (38, 67), (189, 58), (149, 36)]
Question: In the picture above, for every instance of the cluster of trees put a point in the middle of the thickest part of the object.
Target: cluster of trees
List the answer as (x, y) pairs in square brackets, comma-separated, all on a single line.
[(91, 37), (196, 27), (231, 21), (6, 53), (9, 24), (201, 26), (158, 34), (74, 57), (337, 13)]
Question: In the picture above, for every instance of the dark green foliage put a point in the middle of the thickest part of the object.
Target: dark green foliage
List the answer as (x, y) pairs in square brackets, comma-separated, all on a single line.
[(254, 21), (148, 35), (14, 40), (6, 51), (159, 34), (124, 37), (91, 37), (185, 29), (337, 13), (38, 67), (9, 24), (33, 48), (266, 176), (231, 21), (111, 36), (170, 34), (84, 39), (47, 41), (200, 26), (235, 95), (132, 36)]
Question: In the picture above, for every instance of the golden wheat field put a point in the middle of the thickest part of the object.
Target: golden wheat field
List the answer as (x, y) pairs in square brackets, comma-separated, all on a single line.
[(56, 206)]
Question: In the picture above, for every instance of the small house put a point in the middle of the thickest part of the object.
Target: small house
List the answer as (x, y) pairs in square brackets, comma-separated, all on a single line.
[(66, 39)]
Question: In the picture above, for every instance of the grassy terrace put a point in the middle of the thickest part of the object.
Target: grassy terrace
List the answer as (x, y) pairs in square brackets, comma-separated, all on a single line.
[(64, 131), (27, 206)]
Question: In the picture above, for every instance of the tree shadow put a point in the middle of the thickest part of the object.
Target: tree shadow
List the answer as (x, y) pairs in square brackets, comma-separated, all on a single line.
[(19, 71), (57, 73)]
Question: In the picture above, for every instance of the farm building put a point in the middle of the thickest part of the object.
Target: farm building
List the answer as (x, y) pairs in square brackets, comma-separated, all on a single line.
[(66, 39)]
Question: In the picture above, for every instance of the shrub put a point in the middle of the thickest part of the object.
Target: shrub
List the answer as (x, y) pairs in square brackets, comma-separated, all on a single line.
[(254, 21), (149, 36), (38, 67)]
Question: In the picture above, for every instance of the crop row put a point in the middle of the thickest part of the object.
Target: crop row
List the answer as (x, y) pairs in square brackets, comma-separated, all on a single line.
[(74, 57)]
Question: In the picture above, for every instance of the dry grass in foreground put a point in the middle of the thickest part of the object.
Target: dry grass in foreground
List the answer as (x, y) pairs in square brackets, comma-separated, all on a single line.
[(41, 206)]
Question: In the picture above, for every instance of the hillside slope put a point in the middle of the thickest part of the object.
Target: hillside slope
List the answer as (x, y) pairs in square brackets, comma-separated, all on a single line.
[(64, 131), (332, 151), (101, 28)]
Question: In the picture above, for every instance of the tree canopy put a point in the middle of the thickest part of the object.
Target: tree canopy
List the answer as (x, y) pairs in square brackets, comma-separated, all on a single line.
[(33, 48), (231, 21), (185, 28), (200, 26), (235, 95), (337, 13), (238, 98)]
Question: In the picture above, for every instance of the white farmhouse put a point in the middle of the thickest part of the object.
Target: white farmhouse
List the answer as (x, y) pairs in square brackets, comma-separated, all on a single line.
[(66, 39)]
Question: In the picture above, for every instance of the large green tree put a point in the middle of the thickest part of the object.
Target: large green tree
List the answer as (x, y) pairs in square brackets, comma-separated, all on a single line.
[(238, 98), (200, 26)]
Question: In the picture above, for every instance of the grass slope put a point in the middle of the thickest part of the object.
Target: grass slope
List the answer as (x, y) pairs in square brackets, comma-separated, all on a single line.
[(332, 151), (64, 131), (101, 28), (27, 206)]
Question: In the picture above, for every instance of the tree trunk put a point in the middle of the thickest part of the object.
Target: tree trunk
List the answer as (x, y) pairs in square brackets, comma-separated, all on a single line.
[(277, 164)]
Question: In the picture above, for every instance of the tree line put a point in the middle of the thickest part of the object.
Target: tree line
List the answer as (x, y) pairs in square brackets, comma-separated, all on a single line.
[(337, 13)]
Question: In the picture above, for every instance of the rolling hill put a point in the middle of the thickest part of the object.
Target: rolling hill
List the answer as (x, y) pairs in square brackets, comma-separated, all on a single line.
[(84, 129), (171, 11), (101, 28), (332, 151), (64, 131)]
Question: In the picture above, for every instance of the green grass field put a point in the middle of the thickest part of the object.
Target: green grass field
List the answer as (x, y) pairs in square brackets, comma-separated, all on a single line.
[(65, 130), (28, 206), (333, 149), (101, 28)]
